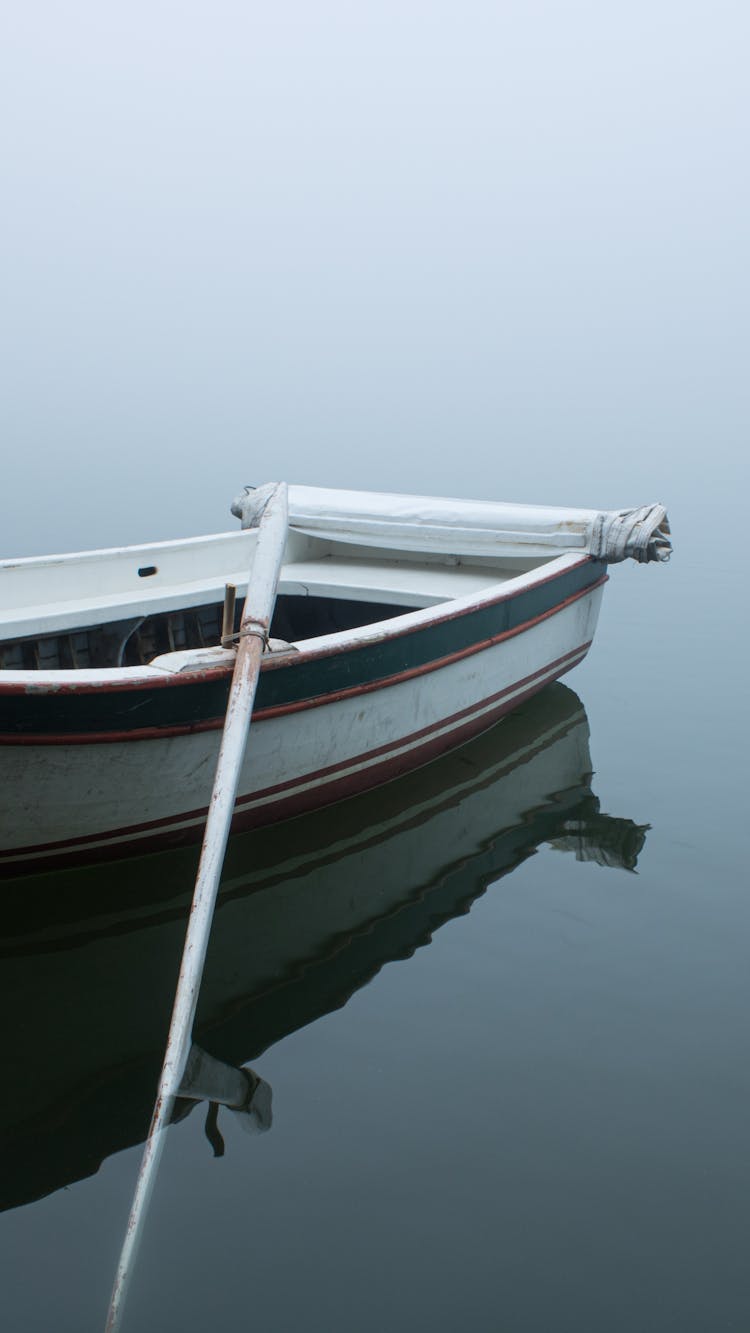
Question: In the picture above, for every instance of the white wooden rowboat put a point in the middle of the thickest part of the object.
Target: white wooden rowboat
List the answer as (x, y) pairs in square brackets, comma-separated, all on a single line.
[(403, 626)]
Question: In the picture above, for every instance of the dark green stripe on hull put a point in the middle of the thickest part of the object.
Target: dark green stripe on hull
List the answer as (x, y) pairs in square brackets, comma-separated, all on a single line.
[(191, 703)]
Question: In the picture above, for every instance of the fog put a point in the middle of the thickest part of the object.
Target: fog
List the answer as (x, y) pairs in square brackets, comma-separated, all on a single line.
[(478, 249)]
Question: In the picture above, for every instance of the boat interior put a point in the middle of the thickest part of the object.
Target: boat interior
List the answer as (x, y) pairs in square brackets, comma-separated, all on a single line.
[(139, 640), (126, 607)]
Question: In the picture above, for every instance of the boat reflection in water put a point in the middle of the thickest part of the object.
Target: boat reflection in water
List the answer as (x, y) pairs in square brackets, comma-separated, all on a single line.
[(309, 911)]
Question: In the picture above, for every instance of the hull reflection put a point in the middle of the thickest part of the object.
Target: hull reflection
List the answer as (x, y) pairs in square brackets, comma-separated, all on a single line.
[(308, 913)]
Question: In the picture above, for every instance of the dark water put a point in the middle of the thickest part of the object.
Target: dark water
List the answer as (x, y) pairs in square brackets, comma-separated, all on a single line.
[(502, 1009)]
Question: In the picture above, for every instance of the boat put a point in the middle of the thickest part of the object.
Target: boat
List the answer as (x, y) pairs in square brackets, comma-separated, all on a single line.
[(307, 915), (403, 627)]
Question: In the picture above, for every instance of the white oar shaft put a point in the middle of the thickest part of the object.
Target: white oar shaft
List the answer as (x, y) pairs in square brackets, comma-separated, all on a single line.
[(256, 621)]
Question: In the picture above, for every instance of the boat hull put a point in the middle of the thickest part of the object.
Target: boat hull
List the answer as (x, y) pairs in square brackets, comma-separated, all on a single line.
[(89, 779)]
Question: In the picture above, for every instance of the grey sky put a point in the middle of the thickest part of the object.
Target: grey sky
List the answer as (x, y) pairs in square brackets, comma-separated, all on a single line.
[(465, 249)]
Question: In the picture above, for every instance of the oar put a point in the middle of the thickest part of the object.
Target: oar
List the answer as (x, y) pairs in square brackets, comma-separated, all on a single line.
[(272, 519)]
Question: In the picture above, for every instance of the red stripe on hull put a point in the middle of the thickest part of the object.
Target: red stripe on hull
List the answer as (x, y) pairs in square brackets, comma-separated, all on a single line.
[(411, 673), (438, 617), (265, 714), (155, 836)]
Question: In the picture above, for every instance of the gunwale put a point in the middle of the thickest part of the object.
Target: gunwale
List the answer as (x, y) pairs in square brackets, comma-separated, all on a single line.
[(43, 707)]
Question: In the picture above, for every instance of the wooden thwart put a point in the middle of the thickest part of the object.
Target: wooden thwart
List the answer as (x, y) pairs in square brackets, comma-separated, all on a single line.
[(256, 622)]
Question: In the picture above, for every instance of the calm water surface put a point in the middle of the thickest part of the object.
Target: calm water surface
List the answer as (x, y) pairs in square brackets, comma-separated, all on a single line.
[(502, 1009)]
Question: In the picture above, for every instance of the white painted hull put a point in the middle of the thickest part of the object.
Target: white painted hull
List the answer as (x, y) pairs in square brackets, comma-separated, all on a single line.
[(71, 802)]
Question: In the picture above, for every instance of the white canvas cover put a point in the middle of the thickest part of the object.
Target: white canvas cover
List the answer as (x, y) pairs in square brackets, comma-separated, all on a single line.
[(470, 527)]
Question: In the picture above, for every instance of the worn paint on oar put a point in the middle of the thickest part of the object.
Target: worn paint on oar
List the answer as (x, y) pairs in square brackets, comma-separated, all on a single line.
[(272, 518)]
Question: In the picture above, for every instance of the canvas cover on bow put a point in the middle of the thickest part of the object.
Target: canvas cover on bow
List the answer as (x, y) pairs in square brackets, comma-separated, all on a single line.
[(469, 527)]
